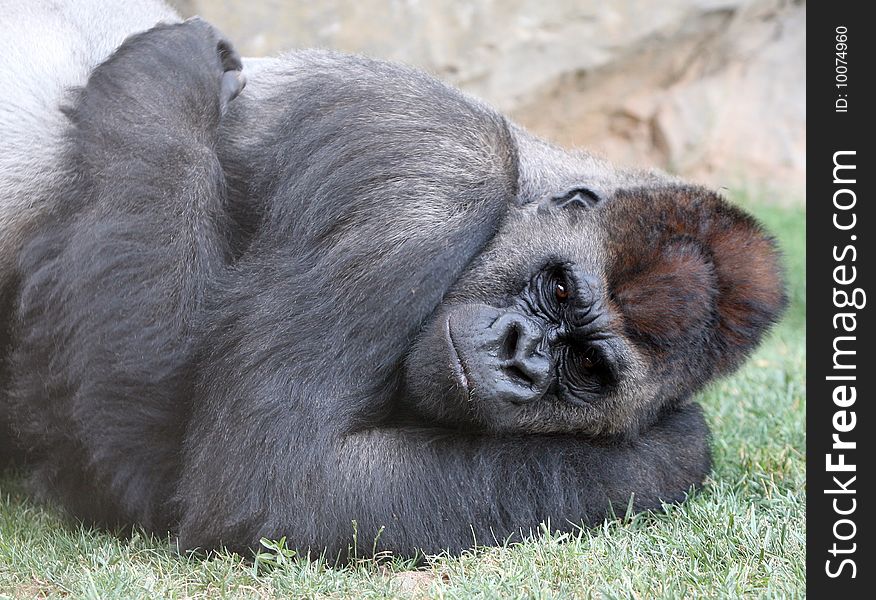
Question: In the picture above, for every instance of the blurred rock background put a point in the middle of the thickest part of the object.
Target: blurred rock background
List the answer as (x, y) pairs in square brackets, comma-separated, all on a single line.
[(711, 89)]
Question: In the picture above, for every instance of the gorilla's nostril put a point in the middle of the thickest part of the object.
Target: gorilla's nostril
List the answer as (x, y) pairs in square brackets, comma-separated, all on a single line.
[(508, 348), (517, 375), (522, 369)]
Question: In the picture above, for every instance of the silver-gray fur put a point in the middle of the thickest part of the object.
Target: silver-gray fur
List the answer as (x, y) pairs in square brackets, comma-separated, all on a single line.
[(351, 294)]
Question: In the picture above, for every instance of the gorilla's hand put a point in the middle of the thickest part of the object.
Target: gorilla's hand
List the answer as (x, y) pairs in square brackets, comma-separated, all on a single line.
[(168, 73), (211, 45)]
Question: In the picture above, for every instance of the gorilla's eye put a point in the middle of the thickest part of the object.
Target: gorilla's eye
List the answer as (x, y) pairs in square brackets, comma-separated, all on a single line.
[(590, 359), (555, 291), (561, 291)]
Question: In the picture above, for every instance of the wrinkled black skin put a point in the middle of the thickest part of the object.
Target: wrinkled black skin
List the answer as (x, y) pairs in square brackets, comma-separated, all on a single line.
[(534, 348), (230, 372)]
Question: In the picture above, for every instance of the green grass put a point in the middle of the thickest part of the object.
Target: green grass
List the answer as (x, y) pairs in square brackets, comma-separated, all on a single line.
[(743, 535)]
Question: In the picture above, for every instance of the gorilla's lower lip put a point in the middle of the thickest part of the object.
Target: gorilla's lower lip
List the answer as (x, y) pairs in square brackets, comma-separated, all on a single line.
[(456, 364)]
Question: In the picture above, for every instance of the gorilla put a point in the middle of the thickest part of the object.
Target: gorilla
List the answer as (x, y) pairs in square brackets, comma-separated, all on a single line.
[(350, 299)]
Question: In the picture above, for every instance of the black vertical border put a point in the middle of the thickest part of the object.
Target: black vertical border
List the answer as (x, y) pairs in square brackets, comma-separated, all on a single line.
[(830, 131)]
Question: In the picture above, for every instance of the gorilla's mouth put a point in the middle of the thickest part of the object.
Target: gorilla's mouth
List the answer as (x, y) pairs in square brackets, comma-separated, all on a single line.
[(456, 363)]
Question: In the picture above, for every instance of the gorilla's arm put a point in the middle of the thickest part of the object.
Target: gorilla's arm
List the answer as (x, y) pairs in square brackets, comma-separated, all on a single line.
[(442, 490), (111, 287), (419, 489)]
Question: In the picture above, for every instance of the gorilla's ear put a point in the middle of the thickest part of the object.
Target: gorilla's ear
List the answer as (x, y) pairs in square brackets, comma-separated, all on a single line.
[(692, 273)]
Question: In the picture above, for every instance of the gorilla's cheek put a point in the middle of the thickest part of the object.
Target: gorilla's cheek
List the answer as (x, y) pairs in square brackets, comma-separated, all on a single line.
[(436, 382)]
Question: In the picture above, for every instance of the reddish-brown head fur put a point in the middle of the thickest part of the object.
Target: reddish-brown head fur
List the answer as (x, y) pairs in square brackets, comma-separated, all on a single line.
[(694, 278)]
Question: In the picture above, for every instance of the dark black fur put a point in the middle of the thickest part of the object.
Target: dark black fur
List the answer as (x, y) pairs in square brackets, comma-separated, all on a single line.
[(233, 368)]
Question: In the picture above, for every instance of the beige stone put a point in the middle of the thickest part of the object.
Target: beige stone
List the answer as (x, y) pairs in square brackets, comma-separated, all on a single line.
[(713, 90)]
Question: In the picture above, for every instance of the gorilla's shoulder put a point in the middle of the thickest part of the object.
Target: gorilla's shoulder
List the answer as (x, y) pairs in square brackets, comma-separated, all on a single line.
[(318, 121), (371, 87)]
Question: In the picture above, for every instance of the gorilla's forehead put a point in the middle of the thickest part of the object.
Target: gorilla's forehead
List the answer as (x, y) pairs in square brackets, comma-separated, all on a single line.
[(570, 235), (529, 240), (573, 235)]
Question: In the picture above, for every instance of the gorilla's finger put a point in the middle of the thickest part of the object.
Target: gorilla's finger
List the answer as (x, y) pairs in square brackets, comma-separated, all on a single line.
[(233, 83)]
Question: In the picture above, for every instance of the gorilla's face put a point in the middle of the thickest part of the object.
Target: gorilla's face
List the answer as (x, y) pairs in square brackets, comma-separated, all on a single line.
[(526, 339), (591, 314)]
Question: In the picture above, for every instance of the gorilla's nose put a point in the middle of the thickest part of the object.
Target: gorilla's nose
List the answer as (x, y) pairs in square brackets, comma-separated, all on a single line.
[(502, 355), (526, 367)]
